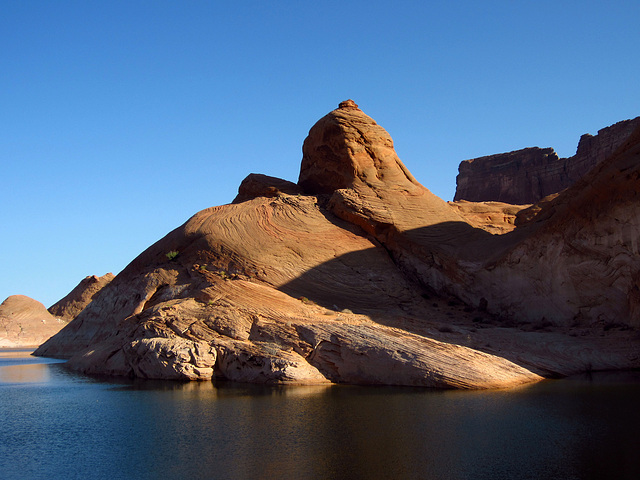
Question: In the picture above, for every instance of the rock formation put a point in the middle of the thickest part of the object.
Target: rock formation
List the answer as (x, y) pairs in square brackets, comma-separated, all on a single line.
[(494, 217), (70, 306), (258, 185), (25, 322), (358, 274), (528, 175), (582, 264)]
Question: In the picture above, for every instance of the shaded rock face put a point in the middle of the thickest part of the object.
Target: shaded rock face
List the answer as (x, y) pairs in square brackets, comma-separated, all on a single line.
[(594, 149), (71, 305), (520, 177), (26, 322), (528, 175), (360, 275), (583, 264)]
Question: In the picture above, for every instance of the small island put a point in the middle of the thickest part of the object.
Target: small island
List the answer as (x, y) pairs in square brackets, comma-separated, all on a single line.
[(358, 274)]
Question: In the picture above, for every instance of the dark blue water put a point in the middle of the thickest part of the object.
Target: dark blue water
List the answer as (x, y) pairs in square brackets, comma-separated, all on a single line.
[(59, 425)]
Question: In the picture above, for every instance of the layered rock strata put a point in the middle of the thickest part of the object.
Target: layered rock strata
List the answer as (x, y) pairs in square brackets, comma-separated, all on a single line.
[(528, 175), (359, 274)]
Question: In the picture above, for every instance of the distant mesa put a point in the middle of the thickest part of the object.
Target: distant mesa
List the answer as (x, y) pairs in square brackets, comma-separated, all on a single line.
[(528, 175), (359, 274)]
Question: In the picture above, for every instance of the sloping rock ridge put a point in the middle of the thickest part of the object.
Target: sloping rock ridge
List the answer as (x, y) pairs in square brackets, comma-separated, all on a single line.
[(528, 175), (359, 274), (25, 322), (71, 305)]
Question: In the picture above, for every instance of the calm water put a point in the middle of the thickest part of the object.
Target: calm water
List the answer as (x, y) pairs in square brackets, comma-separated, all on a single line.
[(59, 425)]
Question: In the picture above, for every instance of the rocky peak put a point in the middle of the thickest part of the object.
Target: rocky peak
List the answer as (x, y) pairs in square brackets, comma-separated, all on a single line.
[(593, 149), (348, 104), (346, 147)]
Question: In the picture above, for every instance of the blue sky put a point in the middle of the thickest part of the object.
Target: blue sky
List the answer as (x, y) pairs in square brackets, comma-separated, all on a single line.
[(119, 120)]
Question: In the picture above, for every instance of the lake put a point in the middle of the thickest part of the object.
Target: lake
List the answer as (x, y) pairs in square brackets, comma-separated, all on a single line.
[(55, 424)]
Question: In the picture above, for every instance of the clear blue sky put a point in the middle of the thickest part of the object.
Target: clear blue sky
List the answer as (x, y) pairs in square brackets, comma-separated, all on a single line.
[(120, 119)]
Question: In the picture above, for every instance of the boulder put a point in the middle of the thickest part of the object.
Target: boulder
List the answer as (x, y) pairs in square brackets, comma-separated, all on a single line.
[(258, 185)]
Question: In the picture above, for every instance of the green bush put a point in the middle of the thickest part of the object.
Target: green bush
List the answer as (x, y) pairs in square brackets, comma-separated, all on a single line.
[(172, 254)]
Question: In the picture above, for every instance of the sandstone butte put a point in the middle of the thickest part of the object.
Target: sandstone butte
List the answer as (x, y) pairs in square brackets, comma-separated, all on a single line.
[(358, 274)]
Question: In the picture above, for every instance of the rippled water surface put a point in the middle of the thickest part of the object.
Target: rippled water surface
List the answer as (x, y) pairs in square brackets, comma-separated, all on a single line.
[(56, 424)]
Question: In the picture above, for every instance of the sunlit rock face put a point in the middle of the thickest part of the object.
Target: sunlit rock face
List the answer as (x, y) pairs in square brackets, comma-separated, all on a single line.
[(358, 274), (528, 175), (26, 322), (348, 148)]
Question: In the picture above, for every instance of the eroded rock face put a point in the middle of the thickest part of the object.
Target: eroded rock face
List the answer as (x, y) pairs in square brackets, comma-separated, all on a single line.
[(528, 175), (351, 158), (71, 305), (26, 322), (361, 275), (255, 289)]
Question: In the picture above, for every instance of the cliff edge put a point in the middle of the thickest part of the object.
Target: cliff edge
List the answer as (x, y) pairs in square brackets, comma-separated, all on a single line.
[(527, 176)]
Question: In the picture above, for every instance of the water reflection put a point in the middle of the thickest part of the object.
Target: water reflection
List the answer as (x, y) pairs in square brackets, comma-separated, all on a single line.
[(221, 387), (72, 426), (15, 352), (18, 366), (24, 373)]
